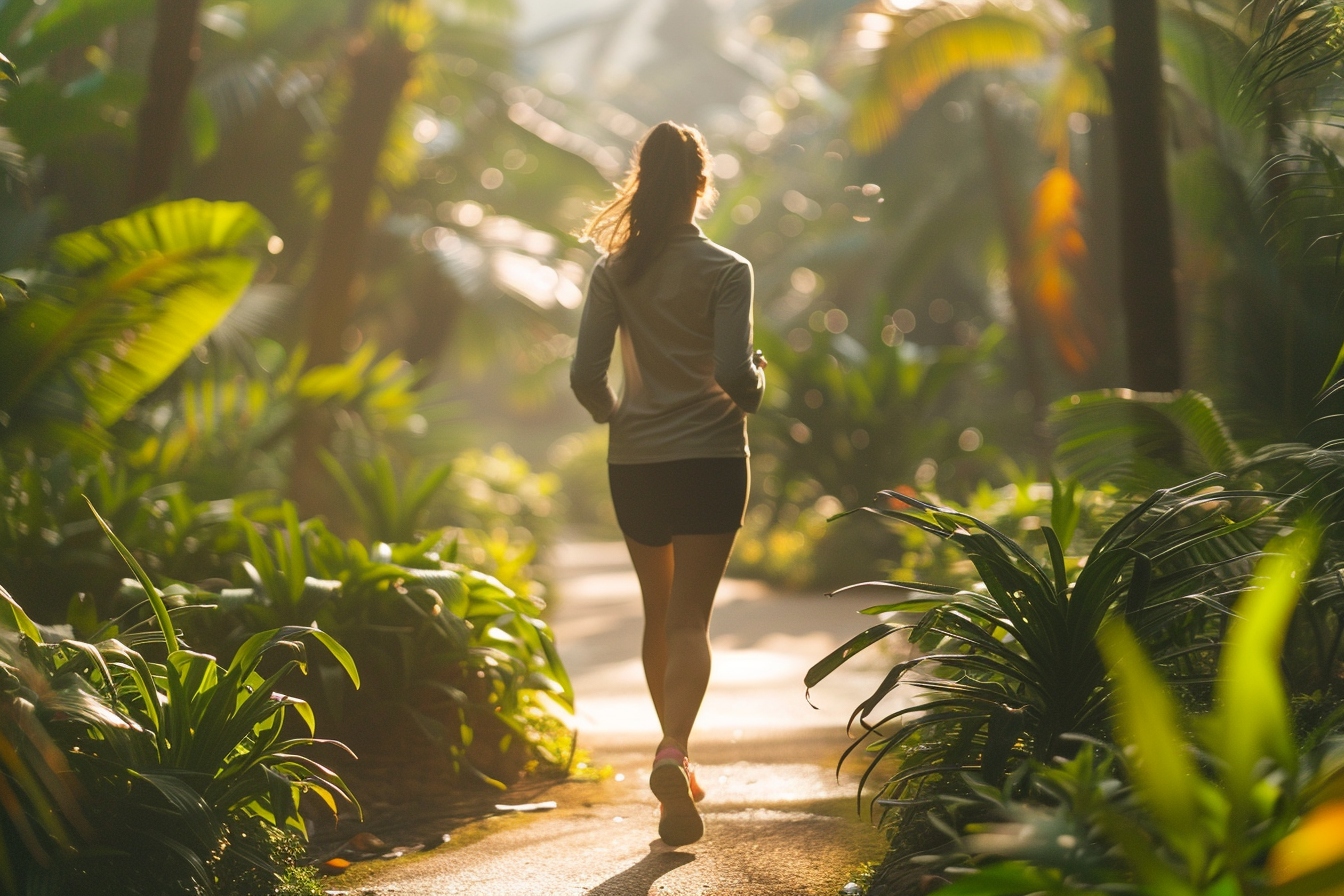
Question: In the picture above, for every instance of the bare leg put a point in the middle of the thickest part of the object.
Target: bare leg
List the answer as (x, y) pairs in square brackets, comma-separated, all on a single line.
[(699, 563), (653, 566)]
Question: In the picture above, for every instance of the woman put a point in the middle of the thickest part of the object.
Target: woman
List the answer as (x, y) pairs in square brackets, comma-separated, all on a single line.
[(677, 460)]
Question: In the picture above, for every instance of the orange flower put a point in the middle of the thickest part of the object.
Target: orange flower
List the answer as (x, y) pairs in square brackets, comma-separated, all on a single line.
[(1314, 844), (1058, 254)]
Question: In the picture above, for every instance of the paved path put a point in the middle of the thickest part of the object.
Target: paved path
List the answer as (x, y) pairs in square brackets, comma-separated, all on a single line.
[(778, 822)]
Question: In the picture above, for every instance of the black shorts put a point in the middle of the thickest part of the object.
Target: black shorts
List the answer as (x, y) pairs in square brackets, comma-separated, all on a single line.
[(698, 496)]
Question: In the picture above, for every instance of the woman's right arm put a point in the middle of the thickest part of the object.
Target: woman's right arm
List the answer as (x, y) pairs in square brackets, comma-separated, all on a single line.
[(592, 355)]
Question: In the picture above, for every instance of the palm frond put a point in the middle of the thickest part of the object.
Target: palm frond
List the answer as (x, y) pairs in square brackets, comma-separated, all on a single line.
[(1007, 670), (124, 304), (929, 48), (1138, 441), (1300, 42)]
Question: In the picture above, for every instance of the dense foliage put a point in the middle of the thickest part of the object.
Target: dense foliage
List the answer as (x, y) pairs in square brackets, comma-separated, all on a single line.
[(168, 774), (1248, 805)]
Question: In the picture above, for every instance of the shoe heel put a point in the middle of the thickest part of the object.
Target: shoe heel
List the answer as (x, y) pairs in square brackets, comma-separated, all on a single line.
[(681, 823)]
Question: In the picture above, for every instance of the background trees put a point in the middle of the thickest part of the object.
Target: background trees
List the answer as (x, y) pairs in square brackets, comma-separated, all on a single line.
[(1147, 255)]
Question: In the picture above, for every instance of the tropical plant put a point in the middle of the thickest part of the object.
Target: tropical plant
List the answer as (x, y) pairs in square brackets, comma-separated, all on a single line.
[(43, 812), (179, 763), (1139, 442), (1268, 326), (119, 309), (447, 651), (388, 510), (855, 417), (1246, 805), (229, 430), (1009, 666)]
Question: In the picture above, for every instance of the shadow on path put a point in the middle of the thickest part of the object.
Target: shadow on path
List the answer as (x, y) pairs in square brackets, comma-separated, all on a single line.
[(639, 877)]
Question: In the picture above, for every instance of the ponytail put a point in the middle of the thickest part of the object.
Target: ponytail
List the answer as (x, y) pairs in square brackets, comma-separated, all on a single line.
[(670, 172)]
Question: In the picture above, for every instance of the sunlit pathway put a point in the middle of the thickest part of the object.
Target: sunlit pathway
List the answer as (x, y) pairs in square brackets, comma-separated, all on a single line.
[(777, 820)]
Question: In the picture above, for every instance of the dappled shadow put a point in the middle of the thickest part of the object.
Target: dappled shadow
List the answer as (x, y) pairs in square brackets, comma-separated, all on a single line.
[(636, 880)]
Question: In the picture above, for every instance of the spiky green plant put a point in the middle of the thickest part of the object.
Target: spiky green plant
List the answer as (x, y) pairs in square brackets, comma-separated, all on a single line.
[(175, 753), (1004, 671)]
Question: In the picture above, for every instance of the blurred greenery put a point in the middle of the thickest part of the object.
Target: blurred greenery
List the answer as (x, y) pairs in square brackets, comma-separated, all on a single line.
[(1247, 809)]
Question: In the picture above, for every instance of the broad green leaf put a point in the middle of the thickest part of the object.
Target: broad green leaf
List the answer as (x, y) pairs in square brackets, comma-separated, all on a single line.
[(339, 652), (844, 652), (131, 298), (250, 653), (13, 617), (1147, 722), (8, 71), (1005, 879), (1137, 440), (1254, 721)]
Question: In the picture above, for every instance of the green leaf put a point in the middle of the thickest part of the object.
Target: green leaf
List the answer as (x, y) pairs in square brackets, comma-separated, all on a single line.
[(12, 291), (340, 653), (1065, 508), (1254, 721), (1147, 722), (252, 650), (8, 71), (1005, 879), (918, 62), (13, 617), (842, 654), (1334, 370), (155, 599), (1138, 440), (131, 298)]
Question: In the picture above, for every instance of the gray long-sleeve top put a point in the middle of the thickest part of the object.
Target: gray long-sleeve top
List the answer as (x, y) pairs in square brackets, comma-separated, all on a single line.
[(686, 351)]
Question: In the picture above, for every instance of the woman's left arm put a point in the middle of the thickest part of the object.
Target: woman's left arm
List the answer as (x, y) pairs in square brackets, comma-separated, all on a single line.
[(592, 355), (735, 368)]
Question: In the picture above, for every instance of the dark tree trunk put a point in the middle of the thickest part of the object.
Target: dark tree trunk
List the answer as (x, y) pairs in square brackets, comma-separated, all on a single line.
[(1147, 254), (379, 68), (172, 66), (1104, 224)]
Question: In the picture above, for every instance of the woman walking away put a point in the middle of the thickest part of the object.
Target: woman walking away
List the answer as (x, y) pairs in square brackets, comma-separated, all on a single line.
[(678, 456)]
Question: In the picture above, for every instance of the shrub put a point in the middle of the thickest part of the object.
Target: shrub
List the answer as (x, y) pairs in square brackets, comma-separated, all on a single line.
[(1243, 807), (1009, 665), (463, 659), (181, 765)]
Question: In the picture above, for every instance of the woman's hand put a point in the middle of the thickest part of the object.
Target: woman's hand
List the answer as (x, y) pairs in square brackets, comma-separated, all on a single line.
[(758, 359)]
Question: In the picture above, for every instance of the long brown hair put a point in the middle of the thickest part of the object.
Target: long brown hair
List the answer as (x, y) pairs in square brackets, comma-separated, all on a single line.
[(671, 170)]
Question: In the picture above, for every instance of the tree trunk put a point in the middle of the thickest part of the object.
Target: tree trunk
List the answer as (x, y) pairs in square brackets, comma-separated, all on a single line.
[(1014, 238), (379, 68), (172, 66), (1147, 254)]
